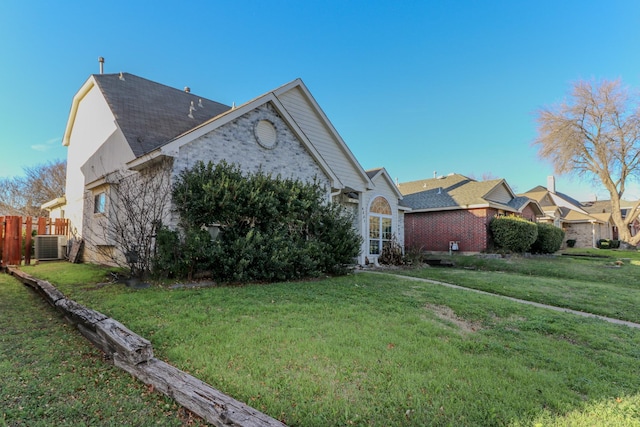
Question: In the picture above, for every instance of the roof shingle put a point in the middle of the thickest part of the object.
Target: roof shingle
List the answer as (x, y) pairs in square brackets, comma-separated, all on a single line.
[(150, 114)]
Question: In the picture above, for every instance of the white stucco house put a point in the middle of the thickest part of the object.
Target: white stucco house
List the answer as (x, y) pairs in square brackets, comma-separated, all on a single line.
[(122, 123)]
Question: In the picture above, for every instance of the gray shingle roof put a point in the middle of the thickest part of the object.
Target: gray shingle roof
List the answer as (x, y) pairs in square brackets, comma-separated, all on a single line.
[(451, 192), (373, 172), (151, 114)]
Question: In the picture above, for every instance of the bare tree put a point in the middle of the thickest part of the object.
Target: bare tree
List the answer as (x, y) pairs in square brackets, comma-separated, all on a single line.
[(596, 134), (23, 195), (136, 205)]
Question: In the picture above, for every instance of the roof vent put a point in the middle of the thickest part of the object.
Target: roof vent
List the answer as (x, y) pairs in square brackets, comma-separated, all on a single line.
[(200, 103), (121, 76), (187, 89), (101, 61), (192, 108)]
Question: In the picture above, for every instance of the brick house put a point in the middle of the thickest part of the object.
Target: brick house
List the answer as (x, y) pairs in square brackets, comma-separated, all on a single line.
[(454, 211), (584, 226), (124, 125)]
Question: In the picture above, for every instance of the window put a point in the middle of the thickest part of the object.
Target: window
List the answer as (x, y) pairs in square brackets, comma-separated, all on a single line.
[(99, 203), (380, 225)]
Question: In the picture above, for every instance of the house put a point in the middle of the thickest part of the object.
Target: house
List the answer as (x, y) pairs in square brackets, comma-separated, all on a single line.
[(125, 125), (561, 210), (453, 212), (603, 207)]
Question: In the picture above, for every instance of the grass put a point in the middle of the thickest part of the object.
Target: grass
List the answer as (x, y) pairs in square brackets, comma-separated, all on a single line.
[(52, 376), (607, 285), (383, 351)]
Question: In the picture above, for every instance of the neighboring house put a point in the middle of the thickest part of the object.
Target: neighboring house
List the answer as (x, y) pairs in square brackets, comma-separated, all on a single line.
[(453, 212), (603, 207), (567, 213), (123, 125)]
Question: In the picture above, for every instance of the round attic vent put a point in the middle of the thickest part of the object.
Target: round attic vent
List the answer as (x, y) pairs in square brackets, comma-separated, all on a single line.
[(265, 134)]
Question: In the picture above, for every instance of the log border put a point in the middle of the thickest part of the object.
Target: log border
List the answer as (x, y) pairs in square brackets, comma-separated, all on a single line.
[(134, 354)]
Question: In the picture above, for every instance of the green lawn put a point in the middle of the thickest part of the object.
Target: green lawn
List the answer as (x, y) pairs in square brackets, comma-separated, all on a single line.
[(376, 350), (608, 285), (51, 376)]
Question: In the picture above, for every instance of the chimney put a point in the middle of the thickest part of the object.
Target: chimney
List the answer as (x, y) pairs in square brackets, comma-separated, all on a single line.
[(101, 61), (551, 184)]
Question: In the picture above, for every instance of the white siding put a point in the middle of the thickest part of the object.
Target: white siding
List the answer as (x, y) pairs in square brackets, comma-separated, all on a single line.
[(93, 126), (500, 194), (382, 188), (322, 139)]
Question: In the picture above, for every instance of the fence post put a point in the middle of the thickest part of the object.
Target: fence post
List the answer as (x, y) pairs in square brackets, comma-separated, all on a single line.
[(28, 240), (12, 253), (2, 236)]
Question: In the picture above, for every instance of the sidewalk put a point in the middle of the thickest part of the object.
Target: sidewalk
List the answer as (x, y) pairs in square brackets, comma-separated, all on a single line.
[(521, 301)]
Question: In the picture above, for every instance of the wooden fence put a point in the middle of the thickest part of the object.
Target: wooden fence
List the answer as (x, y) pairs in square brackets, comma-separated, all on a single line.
[(16, 230)]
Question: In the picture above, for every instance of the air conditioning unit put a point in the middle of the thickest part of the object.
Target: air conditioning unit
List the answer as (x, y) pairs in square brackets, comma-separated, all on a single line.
[(50, 247)]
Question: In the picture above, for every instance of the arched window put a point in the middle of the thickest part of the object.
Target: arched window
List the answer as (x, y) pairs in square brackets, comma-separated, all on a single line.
[(380, 225)]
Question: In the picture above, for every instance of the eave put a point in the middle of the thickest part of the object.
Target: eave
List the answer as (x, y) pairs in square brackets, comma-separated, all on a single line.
[(84, 90)]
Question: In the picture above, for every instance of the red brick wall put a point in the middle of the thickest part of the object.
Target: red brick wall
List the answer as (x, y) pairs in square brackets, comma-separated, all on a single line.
[(528, 213), (432, 231)]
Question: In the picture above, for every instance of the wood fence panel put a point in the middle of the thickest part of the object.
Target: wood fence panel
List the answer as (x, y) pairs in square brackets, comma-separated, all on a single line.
[(11, 231), (42, 225), (12, 251), (61, 227)]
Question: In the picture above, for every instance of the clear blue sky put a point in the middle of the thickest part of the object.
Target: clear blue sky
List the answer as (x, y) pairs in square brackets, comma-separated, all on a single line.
[(414, 86)]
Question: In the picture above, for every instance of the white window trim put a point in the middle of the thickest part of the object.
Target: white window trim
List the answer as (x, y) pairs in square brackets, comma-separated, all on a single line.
[(380, 217)]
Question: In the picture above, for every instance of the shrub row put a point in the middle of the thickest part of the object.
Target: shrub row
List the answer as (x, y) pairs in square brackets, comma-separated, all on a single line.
[(608, 244), (520, 235)]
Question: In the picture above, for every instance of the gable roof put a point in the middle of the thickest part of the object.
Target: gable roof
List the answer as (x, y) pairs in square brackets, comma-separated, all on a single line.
[(457, 191), (449, 181), (149, 114), (228, 116), (297, 86), (568, 209), (382, 172)]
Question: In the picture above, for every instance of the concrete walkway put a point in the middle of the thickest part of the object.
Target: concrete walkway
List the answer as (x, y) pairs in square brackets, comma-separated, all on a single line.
[(521, 301)]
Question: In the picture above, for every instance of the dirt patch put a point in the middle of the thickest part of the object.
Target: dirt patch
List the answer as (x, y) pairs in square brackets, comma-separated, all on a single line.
[(445, 313)]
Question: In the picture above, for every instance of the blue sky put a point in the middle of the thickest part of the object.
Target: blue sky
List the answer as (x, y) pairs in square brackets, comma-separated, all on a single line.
[(414, 86)]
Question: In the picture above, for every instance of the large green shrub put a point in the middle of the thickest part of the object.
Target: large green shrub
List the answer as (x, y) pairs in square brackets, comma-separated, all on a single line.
[(272, 229), (513, 234), (549, 239)]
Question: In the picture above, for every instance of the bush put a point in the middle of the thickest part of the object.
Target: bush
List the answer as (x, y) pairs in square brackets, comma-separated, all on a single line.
[(603, 244), (272, 229), (513, 234), (549, 239), (392, 253)]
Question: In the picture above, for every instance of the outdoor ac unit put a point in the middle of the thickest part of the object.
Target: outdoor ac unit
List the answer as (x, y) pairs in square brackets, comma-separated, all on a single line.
[(50, 247)]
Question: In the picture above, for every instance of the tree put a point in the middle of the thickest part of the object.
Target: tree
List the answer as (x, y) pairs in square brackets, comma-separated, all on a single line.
[(136, 205), (23, 195), (596, 134)]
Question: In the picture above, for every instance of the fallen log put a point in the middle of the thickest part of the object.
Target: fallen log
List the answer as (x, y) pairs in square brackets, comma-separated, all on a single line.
[(129, 346), (134, 354), (50, 293), (201, 399)]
